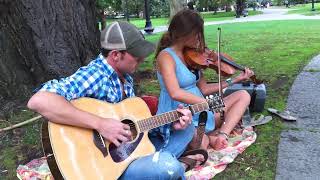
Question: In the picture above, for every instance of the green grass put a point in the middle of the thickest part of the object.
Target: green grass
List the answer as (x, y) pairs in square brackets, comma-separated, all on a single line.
[(305, 9), (8, 158), (274, 49), (208, 17), (18, 146), (140, 23)]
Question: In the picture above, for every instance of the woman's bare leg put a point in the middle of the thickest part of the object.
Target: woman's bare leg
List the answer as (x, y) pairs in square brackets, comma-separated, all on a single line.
[(236, 104)]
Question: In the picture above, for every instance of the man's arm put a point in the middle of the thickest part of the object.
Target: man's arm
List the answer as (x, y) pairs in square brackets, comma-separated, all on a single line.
[(57, 109)]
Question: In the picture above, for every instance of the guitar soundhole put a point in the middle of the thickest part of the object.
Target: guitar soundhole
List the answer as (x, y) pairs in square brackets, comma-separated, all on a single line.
[(133, 128), (121, 153)]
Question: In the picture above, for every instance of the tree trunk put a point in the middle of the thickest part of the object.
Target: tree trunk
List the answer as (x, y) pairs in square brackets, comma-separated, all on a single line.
[(175, 6), (41, 40), (239, 7)]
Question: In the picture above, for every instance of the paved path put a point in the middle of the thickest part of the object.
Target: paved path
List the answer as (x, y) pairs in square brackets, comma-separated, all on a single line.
[(269, 14), (299, 147)]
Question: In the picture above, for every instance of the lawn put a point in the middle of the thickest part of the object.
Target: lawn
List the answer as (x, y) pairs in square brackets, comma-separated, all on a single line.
[(276, 50), (305, 9), (208, 17)]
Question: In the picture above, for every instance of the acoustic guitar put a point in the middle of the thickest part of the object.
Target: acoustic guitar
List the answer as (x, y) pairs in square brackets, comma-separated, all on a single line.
[(79, 153)]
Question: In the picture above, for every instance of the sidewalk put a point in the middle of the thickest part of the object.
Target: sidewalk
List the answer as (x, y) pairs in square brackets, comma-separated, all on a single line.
[(299, 147), (269, 14)]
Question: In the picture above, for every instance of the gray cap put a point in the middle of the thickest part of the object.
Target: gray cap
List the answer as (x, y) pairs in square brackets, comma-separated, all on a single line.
[(125, 36)]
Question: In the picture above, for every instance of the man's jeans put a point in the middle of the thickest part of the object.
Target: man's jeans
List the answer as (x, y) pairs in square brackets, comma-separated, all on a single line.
[(163, 164)]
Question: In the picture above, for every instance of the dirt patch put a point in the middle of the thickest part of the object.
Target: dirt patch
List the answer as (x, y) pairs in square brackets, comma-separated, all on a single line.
[(29, 153), (140, 77), (10, 107), (280, 82), (264, 48), (143, 75)]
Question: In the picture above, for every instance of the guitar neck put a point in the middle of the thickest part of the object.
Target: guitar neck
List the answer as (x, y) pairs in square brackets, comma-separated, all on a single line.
[(168, 117)]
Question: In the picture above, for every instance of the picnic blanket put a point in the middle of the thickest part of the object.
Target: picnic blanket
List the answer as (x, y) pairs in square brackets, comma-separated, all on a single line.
[(34, 170), (217, 161)]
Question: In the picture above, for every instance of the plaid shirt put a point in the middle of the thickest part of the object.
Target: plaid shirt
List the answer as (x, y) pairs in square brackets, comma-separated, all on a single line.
[(96, 80)]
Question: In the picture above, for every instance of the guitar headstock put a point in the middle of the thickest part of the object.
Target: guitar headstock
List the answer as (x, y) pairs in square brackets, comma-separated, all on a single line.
[(215, 103)]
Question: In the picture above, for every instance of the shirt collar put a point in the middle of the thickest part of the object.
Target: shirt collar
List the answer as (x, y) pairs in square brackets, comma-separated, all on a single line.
[(111, 72)]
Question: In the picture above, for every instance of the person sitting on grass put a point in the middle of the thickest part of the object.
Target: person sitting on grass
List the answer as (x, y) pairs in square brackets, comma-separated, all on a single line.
[(180, 84)]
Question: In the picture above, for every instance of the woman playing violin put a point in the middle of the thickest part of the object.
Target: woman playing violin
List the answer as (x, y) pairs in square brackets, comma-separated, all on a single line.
[(179, 84)]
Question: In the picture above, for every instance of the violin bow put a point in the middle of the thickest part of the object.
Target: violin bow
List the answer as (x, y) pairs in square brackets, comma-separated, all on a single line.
[(219, 73)]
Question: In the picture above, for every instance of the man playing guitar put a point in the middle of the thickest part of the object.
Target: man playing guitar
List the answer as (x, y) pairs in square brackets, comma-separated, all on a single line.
[(107, 78)]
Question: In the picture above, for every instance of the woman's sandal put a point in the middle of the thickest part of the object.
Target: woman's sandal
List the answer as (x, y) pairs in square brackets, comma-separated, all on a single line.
[(260, 121), (191, 163), (285, 115)]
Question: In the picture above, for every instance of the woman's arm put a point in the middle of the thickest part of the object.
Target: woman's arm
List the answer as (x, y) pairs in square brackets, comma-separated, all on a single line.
[(166, 67), (210, 88)]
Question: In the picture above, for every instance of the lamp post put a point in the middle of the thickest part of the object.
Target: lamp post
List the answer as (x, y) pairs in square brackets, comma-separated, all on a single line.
[(127, 11), (312, 9), (148, 27)]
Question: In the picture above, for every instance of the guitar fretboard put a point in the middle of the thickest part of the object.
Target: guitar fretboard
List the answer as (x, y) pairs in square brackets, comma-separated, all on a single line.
[(168, 117)]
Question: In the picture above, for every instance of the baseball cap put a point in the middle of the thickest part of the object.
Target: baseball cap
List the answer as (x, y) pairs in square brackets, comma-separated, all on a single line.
[(121, 35)]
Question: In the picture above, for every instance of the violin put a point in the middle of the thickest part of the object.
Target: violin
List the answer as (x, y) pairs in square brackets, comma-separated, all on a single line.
[(196, 59)]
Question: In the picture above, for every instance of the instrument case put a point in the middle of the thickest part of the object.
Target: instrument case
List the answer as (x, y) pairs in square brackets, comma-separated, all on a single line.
[(258, 94)]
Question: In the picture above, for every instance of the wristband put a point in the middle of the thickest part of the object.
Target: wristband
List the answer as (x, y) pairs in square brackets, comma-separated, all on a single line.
[(223, 134), (229, 82)]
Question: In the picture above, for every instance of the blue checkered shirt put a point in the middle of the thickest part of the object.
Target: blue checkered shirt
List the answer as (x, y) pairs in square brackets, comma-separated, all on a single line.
[(96, 80)]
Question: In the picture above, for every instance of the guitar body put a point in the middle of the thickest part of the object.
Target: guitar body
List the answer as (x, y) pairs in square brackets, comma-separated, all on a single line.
[(81, 153)]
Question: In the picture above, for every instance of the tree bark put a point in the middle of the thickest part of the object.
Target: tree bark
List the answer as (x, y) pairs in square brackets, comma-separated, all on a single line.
[(239, 7), (175, 6), (41, 40)]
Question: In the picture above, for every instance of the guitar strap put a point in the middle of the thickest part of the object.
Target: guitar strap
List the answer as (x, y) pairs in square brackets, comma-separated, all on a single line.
[(201, 127)]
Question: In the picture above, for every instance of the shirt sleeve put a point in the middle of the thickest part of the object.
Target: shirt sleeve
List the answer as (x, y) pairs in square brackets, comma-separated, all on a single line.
[(83, 82)]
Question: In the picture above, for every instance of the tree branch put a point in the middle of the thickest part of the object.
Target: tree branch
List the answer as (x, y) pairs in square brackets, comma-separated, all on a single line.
[(21, 124)]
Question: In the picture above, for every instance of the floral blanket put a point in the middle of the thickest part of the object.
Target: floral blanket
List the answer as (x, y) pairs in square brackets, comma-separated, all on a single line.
[(34, 170), (217, 161)]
